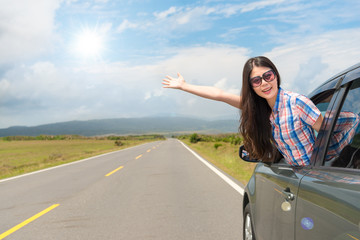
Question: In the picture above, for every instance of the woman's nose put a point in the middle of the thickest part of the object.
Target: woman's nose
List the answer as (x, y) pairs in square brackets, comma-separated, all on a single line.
[(263, 81)]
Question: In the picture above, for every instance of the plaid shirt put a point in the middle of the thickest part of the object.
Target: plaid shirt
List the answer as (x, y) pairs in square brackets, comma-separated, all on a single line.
[(292, 120), (343, 133)]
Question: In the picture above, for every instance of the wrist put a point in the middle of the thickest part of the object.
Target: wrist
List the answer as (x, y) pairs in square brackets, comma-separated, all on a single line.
[(183, 86)]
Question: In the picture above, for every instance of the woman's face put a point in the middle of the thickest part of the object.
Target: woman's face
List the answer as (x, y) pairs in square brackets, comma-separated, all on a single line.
[(267, 90)]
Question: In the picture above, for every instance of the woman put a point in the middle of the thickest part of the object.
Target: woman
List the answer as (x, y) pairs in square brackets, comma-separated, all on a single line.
[(269, 113)]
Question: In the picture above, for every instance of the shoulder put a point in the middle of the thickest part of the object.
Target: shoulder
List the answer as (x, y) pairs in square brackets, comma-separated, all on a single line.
[(302, 106), (292, 98), (297, 98)]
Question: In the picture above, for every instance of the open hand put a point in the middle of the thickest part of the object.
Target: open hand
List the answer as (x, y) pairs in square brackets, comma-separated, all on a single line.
[(176, 83)]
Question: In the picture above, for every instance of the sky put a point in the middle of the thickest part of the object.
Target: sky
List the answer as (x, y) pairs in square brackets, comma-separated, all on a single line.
[(64, 60)]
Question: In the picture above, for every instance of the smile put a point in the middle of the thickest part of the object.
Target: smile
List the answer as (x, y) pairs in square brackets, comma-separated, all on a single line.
[(266, 90)]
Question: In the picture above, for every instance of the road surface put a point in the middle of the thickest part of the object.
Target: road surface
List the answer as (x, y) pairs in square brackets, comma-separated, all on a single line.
[(158, 190)]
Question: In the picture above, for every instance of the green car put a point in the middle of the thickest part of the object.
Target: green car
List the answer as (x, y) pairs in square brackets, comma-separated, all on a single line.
[(319, 201)]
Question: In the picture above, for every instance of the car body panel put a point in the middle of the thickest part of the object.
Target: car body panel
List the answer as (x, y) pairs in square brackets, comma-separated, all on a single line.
[(329, 198), (270, 181)]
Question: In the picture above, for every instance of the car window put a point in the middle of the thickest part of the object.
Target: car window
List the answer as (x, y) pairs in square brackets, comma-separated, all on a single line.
[(322, 102), (344, 143)]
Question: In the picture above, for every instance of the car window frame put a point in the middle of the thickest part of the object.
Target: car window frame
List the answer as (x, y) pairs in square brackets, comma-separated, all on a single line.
[(322, 144), (323, 136)]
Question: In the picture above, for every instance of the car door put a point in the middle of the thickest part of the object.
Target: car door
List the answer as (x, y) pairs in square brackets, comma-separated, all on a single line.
[(275, 200), (277, 187), (328, 203)]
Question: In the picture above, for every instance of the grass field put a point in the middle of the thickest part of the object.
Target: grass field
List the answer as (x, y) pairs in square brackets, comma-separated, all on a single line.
[(18, 157), (225, 156)]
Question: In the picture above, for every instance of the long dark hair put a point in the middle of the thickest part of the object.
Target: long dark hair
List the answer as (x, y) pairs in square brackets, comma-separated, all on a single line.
[(255, 113)]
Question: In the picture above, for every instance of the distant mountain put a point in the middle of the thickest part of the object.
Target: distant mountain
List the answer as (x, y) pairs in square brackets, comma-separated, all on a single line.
[(125, 126)]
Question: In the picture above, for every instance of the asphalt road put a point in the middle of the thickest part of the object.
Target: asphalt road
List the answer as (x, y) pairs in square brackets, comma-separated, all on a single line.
[(157, 190)]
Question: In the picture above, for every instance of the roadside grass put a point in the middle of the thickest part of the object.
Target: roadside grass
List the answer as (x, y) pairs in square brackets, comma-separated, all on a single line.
[(223, 155), (23, 156)]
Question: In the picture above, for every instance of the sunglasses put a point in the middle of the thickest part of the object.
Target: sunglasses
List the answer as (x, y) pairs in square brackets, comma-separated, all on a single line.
[(267, 76)]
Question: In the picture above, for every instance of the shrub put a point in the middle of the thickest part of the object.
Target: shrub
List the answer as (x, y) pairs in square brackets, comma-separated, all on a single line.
[(194, 138), (217, 145), (118, 143)]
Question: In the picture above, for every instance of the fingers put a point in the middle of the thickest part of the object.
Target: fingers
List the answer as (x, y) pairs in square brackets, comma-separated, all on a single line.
[(171, 78), (166, 83), (170, 82), (180, 76), (168, 78)]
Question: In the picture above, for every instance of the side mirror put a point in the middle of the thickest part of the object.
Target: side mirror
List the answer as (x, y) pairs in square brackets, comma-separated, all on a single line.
[(244, 155)]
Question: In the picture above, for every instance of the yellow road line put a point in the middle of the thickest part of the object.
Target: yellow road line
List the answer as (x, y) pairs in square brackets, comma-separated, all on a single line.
[(114, 171), (17, 227), (352, 237), (139, 156), (148, 150)]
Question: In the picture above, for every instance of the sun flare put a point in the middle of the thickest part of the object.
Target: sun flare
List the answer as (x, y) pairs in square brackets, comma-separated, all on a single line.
[(89, 43)]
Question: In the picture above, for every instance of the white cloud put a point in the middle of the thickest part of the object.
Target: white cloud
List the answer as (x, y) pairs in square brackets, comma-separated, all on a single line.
[(165, 14), (231, 9), (126, 25), (27, 28), (104, 28), (202, 17), (36, 83), (305, 63), (233, 33), (4, 87), (283, 19), (260, 4), (68, 2), (154, 93), (147, 95), (43, 68), (184, 19), (223, 84)]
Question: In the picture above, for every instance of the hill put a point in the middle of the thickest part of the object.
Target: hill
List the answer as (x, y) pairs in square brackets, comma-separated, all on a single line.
[(125, 126)]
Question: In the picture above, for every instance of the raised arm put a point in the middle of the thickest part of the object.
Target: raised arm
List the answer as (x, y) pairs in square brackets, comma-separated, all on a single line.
[(208, 92)]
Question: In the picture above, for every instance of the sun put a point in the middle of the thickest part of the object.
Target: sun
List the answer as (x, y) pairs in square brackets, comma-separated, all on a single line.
[(89, 43)]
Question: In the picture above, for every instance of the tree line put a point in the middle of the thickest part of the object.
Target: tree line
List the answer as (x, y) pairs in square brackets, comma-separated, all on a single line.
[(231, 138), (79, 137)]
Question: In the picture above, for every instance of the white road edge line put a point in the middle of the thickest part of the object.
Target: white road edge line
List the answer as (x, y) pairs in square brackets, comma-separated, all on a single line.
[(220, 174), (66, 164)]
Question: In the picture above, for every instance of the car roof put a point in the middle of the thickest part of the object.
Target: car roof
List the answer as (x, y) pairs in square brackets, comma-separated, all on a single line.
[(352, 73)]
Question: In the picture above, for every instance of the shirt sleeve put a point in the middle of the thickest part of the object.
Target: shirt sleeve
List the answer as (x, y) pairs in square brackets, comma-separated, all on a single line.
[(307, 110), (343, 133)]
